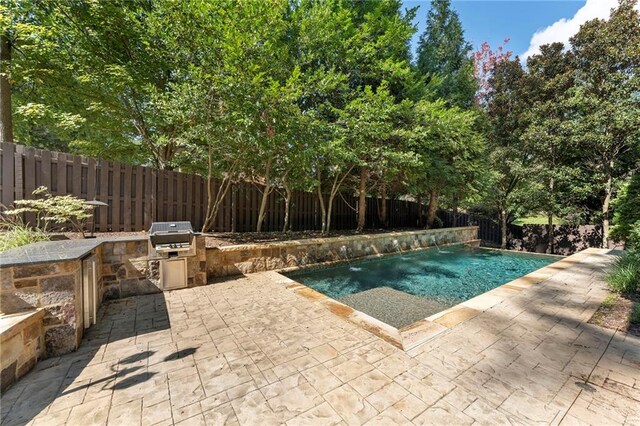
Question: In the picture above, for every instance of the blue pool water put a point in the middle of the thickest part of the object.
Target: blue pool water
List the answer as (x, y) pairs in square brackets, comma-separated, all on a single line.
[(449, 276)]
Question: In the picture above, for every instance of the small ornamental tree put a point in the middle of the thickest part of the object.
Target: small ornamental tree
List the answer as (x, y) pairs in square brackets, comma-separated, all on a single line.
[(53, 209)]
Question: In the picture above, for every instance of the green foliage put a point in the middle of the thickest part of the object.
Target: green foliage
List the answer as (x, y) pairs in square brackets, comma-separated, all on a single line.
[(563, 133), (15, 233), (53, 209), (309, 94), (624, 276), (443, 56), (626, 219), (634, 318), (506, 106), (609, 301), (604, 104), (448, 147)]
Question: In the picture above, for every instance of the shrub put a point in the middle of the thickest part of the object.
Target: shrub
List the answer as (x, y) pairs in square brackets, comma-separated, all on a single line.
[(15, 234), (437, 223), (56, 209), (624, 276), (626, 219), (635, 314)]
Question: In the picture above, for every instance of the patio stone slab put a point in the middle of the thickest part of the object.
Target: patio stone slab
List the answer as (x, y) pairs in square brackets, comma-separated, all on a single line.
[(251, 351)]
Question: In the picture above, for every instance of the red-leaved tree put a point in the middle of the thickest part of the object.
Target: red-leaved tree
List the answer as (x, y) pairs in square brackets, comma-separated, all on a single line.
[(484, 59)]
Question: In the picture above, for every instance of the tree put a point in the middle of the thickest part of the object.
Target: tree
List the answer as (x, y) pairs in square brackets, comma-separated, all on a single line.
[(6, 115), (96, 75), (233, 113), (605, 104), (449, 150), (443, 56), (368, 126), (506, 102), (485, 60), (626, 219), (555, 183)]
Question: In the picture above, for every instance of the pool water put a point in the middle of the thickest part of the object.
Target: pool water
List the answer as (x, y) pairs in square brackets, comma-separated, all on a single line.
[(448, 276)]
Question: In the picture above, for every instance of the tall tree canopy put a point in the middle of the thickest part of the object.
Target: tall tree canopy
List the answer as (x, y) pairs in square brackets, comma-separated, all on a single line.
[(605, 102), (322, 96), (443, 56)]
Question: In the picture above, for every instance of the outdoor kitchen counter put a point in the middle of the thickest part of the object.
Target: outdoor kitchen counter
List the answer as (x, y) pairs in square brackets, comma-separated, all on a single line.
[(54, 251)]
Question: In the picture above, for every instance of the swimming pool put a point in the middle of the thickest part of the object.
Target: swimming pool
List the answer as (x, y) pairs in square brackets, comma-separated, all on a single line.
[(445, 277)]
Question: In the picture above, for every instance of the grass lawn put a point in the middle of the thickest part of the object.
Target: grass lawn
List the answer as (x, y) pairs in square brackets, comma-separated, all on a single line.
[(537, 220)]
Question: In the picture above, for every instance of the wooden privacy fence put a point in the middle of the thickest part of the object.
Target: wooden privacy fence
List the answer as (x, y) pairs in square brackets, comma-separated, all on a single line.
[(137, 195)]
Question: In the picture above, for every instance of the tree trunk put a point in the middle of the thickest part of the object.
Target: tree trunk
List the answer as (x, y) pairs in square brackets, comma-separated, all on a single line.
[(433, 207), (608, 190), (287, 207), (265, 196), (503, 229), (214, 203), (550, 219), (419, 202), (329, 211), (323, 211), (6, 118), (382, 211), (362, 199)]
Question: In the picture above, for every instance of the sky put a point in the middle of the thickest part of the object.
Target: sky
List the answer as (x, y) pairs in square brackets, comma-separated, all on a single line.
[(527, 23)]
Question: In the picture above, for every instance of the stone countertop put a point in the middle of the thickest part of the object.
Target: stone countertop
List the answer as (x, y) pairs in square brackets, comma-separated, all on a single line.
[(54, 251)]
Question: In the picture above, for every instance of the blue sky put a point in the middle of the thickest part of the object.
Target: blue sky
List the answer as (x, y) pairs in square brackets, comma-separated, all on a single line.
[(493, 21)]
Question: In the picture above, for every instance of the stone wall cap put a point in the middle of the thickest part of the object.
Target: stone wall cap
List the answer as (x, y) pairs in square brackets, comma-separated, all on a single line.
[(10, 323), (324, 240)]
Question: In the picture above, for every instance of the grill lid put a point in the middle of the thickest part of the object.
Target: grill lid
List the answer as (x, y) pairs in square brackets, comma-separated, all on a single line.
[(165, 233), (171, 228)]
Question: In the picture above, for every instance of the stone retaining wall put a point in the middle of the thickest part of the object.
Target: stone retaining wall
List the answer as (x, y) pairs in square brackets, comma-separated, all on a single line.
[(248, 258), (21, 345)]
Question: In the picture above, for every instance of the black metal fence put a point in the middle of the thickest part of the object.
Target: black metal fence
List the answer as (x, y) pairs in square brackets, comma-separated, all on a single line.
[(489, 229)]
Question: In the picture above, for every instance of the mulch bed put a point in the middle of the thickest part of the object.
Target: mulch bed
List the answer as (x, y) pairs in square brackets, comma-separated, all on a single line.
[(617, 314)]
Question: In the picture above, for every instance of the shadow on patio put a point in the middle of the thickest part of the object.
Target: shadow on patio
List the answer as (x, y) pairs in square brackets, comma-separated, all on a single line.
[(115, 354)]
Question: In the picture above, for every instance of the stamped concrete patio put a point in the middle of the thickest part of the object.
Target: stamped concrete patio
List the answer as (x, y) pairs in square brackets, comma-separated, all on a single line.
[(250, 351)]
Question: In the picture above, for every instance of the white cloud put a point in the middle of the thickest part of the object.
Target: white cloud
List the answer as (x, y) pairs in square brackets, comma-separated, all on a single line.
[(564, 28)]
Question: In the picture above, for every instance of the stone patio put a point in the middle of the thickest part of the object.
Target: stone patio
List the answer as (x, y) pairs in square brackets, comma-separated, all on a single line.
[(249, 351)]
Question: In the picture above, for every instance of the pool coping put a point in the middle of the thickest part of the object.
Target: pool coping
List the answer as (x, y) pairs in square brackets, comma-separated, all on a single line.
[(419, 332)]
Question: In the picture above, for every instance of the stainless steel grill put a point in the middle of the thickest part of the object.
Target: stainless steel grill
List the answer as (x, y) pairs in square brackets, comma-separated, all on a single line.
[(171, 239), (171, 243)]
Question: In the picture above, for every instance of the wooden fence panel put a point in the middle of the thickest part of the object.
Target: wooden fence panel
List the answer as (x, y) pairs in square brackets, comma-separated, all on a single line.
[(138, 195), (128, 190), (45, 170)]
